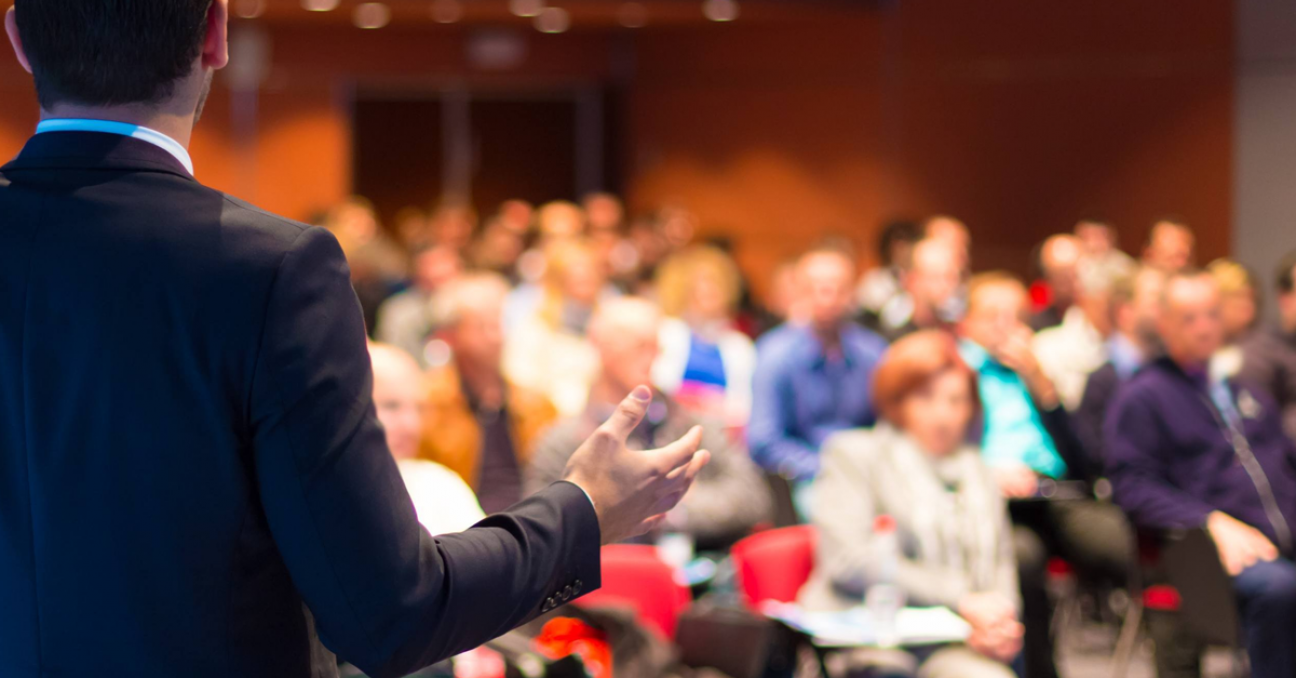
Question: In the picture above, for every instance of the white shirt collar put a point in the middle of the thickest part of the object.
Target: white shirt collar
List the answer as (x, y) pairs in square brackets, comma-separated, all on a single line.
[(140, 132)]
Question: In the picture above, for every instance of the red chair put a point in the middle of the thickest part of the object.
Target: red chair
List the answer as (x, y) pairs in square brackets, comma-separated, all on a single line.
[(775, 564), (635, 577)]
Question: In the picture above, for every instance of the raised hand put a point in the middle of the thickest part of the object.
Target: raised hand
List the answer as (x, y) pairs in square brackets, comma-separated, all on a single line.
[(633, 489)]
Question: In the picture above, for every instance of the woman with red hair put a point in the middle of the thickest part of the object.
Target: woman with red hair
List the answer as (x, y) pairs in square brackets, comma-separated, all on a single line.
[(951, 523)]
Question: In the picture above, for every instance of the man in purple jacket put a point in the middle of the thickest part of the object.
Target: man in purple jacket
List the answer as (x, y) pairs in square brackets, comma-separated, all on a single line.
[(1186, 450)]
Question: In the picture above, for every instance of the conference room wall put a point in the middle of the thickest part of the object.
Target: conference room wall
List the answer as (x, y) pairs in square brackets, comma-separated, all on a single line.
[(1015, 115)]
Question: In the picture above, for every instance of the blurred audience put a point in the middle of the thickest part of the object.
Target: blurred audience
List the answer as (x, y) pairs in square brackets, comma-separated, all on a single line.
[(929, 294), (1059, 261), (705, 364), (1070, 351), (442, 500), (880, 286), (478, 424), (378, 264), (955, 234), (1239, 311), (1135, 304), (1101, 256), (1027, 437), (409, 319), (808, 375), (1170, 245), (1187, 450), (991, 438), (545, 348), (916, 467), (729, 496), (1269, 355)]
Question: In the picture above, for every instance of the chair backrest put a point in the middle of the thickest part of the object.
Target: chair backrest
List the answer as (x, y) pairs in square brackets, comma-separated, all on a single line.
[(635, 577), (775, 564), (1208, 604)]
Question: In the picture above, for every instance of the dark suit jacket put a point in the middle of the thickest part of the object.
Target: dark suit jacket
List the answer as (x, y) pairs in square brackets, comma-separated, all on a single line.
[(189, 457), (1090, 416)]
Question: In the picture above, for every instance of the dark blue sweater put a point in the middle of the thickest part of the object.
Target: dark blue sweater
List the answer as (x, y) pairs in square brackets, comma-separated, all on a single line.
[(1171, 463)]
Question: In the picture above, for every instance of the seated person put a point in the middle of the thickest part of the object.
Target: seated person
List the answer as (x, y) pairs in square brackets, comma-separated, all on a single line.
[(1269, 355), (729, 497), (1027, 437), (705, 363), (478, 424), (917, 467), (442, 500), (931, 300), (546, 349), (806, 383), (1186, 450), (1135, 304)]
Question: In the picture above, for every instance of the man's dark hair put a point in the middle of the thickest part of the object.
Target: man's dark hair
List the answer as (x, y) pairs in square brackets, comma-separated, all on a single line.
[(110, 52), (1284, 278), (896, 230)]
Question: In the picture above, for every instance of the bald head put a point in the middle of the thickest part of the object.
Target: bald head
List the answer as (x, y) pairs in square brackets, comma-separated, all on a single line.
[(1170, 246), (1060, 260), (400, 398), (624, 332), (826, 282), (474, 310), (1190, 325), (934, 276)]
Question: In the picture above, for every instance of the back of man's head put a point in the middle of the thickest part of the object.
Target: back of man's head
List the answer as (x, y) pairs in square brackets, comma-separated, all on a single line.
[(110, 52)]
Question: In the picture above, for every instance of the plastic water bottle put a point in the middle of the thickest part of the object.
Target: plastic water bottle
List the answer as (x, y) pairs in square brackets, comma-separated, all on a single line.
[(884, 599)]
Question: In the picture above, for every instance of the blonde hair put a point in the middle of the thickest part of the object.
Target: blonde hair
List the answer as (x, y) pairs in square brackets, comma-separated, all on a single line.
[(560, 257), (1231, 277), (677, 275)]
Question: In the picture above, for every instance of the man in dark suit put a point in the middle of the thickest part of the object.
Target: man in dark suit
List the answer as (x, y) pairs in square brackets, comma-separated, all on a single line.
[(192, 478)]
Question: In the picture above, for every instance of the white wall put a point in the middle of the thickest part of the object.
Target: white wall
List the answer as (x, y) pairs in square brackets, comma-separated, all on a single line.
[(1264, 162)]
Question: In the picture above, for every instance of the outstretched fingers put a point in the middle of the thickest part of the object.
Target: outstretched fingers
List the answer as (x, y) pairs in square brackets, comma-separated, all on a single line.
[(628, 414), (679, 453)]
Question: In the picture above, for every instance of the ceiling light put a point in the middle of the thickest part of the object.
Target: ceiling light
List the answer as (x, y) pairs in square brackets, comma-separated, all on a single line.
[(447, 11), (320, 5), (526, 8), (371, 15), (720, 10), (632, 15), (553, 20), (249, 9)]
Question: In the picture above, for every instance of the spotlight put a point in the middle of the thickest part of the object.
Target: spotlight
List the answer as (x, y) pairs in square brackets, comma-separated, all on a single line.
[(447, 11), (720, 10), (320, 5), (371, 15), (526, 8), (632, 15), (553, 20)]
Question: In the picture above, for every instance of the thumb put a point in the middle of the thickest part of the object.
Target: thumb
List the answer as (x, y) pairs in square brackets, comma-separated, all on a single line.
[(629, 413)]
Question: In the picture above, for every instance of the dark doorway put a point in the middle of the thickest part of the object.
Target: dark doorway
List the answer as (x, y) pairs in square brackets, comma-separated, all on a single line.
[(415, 150), (399, 155)]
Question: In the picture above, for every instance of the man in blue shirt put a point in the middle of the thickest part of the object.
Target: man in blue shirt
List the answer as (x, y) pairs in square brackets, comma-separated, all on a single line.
[(1027, 438), (812, 377), (1186, 450)]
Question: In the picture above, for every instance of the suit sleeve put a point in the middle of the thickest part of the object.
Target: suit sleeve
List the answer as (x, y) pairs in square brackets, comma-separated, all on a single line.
[(385, 595), (1138, 467)]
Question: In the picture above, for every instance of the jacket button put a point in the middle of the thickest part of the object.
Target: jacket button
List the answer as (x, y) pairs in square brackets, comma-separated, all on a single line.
[(567, 593), (549, 604), (576, 588)]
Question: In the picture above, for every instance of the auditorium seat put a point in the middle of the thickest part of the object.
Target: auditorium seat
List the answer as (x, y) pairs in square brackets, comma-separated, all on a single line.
[(775, 564), (636, 578)]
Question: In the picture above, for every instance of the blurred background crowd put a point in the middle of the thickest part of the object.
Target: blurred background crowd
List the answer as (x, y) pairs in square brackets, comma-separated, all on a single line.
[(987, 415)]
